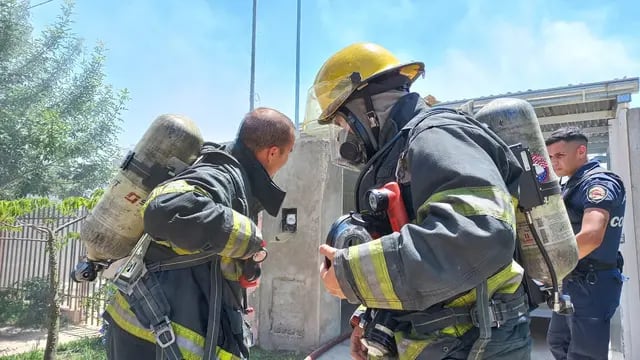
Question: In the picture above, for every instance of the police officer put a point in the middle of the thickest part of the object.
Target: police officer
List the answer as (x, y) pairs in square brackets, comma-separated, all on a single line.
[(595, 201), (459, 180), (205, 250)]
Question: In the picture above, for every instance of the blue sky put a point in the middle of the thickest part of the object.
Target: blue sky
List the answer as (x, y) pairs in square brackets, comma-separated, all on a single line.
[(193, 57)]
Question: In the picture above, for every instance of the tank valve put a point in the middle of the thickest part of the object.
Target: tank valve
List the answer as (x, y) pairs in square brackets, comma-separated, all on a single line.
[(88, 270), (562, 304)]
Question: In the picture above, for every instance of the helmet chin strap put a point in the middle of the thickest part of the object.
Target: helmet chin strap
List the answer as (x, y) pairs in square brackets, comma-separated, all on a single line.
[(374, 122)]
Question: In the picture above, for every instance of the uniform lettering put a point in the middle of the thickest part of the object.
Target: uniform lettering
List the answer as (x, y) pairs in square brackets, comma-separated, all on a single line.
[(616, 221)]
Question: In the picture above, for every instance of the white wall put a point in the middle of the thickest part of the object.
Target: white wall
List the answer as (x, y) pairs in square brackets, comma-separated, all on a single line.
[(624, 140)]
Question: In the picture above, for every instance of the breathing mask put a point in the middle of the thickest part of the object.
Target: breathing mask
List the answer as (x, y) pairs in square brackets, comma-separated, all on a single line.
[(351, 146)]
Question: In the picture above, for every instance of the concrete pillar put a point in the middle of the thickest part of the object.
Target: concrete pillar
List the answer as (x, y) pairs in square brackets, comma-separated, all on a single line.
[(294, 312), (625, 155), (616, 341)]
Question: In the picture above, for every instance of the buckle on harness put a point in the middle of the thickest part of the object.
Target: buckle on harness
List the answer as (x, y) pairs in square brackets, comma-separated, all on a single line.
[(134, 269), (164, 328), (495, 317), (131, 273)]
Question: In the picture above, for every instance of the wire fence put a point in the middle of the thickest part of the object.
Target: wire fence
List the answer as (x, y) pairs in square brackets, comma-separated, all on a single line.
[(23, 257)]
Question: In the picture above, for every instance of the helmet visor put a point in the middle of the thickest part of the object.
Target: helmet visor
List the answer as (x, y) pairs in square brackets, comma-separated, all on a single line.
[(325, 98)]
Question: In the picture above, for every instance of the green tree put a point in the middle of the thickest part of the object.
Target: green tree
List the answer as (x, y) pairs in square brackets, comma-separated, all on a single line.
[(59, 119), (10, 213)]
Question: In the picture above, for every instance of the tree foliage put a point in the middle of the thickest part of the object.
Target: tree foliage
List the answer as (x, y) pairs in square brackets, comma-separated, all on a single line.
[(12, 210), (59, 118), (10, 213)]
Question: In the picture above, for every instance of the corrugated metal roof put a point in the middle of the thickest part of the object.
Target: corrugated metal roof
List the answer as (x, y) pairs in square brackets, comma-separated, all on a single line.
[(588, 106), (576, 108), (570, 94)]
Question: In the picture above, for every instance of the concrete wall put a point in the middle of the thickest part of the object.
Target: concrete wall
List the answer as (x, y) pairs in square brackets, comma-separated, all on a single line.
[(625, 161), (348, 204), (293, 310)]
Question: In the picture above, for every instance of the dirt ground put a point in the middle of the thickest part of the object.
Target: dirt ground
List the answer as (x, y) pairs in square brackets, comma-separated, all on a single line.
[(15, 340)]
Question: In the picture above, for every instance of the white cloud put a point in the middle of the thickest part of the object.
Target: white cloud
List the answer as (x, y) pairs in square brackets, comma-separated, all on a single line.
[(574, 49), (515, 57)]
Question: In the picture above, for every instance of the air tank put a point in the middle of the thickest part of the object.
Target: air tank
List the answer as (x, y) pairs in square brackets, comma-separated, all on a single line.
[(113, 227), (515, 121)]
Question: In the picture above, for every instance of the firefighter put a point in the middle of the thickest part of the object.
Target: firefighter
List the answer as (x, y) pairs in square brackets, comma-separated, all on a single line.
[(459, 181), (206, 249), (595, 202)]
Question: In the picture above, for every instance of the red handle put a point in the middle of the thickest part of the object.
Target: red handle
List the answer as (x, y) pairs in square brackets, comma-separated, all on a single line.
[(248, 284), (396, 211)]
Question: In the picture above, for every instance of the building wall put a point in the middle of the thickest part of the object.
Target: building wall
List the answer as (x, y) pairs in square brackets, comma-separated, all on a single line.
[(294, 310), (625, 161)]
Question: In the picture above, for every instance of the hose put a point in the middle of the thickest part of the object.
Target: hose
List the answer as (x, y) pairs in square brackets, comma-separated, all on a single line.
[(545, 256), (325, 347)]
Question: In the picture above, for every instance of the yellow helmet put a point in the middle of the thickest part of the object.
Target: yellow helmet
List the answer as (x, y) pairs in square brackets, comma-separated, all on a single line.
[(350, 70)]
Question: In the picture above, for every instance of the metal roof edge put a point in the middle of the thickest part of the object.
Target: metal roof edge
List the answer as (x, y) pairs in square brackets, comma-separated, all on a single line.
[(561, 95)]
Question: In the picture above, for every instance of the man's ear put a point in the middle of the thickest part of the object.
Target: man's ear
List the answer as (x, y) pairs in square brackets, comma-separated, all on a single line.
[(582, 149), (272, 152)]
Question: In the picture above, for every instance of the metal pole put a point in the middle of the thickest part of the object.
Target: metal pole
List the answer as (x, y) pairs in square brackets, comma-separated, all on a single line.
[(297, 112), (253, 57)]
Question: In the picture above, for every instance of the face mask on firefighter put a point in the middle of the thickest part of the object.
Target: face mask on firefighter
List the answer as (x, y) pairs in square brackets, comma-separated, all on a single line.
[(351, 148), (352, 145)]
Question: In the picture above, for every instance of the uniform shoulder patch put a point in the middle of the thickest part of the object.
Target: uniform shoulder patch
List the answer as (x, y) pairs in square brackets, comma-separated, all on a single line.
[(596, 193)]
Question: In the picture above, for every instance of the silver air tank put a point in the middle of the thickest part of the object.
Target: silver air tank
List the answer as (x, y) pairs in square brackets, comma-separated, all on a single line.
[(113, 227), (515, 121)]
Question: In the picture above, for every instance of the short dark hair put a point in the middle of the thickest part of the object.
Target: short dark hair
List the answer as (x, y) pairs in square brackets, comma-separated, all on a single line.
[(265, 127), (568, 134)]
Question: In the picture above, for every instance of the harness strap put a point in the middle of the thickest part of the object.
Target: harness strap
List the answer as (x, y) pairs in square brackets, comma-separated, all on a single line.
[(181, 262), (484, 321), (215, 309), (215, 294), (149, 304), (432, 321)]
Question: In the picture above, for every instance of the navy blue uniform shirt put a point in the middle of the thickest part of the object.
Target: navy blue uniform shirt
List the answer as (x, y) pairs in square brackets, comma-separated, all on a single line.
[(594, 187)]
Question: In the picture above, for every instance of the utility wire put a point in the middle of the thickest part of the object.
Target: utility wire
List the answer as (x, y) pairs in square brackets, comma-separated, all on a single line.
[(42, 3)]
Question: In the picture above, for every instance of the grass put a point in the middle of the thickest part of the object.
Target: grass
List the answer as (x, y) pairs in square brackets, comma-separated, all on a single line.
[(85, 349), (92, 349)]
